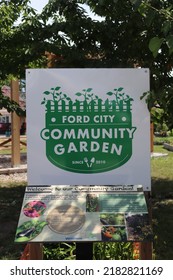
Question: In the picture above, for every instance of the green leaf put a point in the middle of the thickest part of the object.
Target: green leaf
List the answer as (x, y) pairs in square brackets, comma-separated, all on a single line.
[(155, 44), (46, 92), (44, 101), (120, 89), (109, 93), (169, 42), (57, 88), (170, 51), (78, 94), (166, 27), (136, 3), (150, 17), (89, 89), (145, 94)]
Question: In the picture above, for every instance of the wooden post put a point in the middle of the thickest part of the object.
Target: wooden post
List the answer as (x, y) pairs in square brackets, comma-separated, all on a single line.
[(151, 137), (35, 251), (146, 248), (15, 126)]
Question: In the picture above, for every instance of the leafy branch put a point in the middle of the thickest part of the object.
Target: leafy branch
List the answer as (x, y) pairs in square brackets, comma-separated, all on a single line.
[(149, 12), (10, 105)]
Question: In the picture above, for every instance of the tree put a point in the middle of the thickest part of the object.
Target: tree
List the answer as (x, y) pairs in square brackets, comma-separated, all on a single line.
[(14, 45), (154, 9), (160, 13), (124, 37), (129, 35)]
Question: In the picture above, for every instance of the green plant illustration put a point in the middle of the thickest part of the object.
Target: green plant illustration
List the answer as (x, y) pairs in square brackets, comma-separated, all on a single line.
[(55, 94), (119, 97), (89, 97), (90, 100)]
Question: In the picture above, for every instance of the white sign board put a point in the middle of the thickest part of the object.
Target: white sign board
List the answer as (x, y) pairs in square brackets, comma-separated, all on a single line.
[(88, 127)]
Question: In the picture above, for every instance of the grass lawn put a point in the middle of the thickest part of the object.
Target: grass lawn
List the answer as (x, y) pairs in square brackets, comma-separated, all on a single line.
[(11, 196), (162, 201)]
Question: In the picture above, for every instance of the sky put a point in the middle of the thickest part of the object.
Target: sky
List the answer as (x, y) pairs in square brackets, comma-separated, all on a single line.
[(38, 4)]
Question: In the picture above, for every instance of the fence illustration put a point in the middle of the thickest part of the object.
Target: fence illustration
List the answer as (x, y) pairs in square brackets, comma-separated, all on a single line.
[(100, 106)]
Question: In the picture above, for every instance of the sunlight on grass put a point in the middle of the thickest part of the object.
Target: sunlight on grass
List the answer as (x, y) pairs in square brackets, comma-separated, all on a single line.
[(162, 167)]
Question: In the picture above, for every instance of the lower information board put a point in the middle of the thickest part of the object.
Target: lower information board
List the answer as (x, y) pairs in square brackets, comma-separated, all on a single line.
[(84, 213)]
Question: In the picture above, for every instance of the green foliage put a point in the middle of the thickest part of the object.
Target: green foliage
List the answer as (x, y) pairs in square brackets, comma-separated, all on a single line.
[(155, 44), (17, 49), (11, 106), (162, 12), (157, 116), (162, 167), (101, 251), (129, 33), (6, 102), (113, 251), (61, 251)]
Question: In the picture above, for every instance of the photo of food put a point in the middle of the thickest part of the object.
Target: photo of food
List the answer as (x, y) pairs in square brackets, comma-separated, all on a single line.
[(112, 218), (34, 209), (138, 227), (66, 219), (114, 233)]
